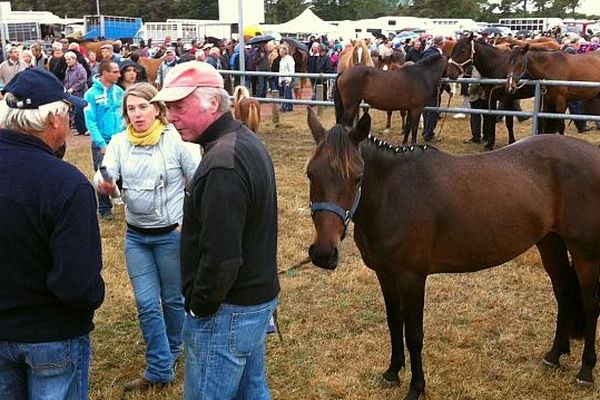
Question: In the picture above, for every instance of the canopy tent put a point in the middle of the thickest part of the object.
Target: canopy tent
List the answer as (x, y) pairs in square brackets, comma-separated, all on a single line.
[(306, 22)]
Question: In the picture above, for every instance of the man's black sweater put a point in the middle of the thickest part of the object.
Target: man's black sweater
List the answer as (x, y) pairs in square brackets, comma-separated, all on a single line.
[(229, 234)]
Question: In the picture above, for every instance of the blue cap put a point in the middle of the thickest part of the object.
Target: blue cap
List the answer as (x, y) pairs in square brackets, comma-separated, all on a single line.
[(36, 87)]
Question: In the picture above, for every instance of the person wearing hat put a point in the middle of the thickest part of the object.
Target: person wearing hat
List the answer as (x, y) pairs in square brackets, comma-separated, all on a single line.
[(129, 73), (103, 119), (228, 240), (186, 54), (154, 165), (169, 62), (51, 282), (108, 53)]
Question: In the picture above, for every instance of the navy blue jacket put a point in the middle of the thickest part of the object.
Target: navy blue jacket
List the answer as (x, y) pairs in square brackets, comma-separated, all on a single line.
[(431, 51), (50, 253)]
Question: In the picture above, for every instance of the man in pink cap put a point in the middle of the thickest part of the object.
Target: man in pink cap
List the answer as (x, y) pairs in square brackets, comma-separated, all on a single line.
[(228, 240)]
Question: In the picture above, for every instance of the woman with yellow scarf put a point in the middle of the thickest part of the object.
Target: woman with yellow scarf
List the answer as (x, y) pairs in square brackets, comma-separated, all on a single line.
[(154, 164)]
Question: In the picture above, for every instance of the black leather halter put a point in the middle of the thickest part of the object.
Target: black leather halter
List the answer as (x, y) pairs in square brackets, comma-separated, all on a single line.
[(345, 215)]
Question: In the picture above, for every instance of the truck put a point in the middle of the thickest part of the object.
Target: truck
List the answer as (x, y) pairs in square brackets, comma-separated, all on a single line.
[(539, 24), (186, 29), (110, 26)]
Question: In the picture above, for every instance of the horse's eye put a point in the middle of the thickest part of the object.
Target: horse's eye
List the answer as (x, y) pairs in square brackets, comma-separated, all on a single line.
[(358, 180)]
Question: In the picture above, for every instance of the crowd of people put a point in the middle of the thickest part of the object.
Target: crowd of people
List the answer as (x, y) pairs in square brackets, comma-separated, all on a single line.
[(192, 270)]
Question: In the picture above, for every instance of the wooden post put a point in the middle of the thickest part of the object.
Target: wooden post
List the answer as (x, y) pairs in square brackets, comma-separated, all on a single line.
[(319, 97), (276, 106)]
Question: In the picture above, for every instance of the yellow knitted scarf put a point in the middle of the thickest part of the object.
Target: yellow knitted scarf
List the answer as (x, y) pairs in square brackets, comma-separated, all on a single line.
[(147, 138)]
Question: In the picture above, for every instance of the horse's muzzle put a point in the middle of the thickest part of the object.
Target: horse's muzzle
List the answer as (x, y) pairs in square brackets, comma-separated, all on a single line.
[(322, 260)]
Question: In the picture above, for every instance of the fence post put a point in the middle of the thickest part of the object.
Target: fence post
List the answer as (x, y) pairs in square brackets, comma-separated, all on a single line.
[(537, 101), (319, 97), (275, 107)]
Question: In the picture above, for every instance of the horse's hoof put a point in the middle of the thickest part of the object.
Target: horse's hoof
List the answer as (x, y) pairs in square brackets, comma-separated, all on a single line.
[(583, 383), (584, 378), (550, 364), (390, 378)]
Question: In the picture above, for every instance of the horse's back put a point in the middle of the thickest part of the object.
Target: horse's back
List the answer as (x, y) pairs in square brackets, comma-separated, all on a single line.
[(506, 201)]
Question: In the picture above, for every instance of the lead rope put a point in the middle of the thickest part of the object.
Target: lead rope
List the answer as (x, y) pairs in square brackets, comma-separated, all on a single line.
[(286, 271)]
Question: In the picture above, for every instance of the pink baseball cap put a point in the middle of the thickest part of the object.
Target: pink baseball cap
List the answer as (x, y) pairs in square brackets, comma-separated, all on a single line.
[(184, 78)]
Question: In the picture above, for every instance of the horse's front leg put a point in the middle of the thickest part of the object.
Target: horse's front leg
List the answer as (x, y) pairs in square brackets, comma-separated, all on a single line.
[(412, 294), (414, 116), (395, 322), (388, 123), (509, 120), (407, 129), (561, 108)]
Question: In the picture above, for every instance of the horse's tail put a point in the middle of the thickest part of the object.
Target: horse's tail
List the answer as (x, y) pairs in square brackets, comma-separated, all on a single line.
[(337, 100), (253, 120), (240, 92)]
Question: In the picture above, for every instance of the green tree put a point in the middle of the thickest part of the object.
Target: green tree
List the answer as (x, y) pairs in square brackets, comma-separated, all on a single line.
[(279, 11)]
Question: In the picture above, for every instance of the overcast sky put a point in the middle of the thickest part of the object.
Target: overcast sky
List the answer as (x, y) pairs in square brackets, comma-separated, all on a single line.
[(590, 7)]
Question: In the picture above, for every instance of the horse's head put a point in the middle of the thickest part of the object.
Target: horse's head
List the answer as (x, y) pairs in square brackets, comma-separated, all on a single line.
[(335, 179), (517, 68), (461, 57)]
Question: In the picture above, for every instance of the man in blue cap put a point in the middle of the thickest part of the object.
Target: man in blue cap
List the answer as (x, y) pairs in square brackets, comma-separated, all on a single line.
[(50, 255)]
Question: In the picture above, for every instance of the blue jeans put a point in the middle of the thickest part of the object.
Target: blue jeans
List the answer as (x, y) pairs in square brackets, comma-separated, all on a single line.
[(286, 93), (45, 371), (225, 353), (153, 265), (104, 204)]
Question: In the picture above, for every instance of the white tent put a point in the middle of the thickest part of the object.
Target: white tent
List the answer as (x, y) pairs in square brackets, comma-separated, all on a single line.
[(307, 22)]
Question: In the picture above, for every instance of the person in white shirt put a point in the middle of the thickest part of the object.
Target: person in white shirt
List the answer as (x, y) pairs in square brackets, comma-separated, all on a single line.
[(286, 65)]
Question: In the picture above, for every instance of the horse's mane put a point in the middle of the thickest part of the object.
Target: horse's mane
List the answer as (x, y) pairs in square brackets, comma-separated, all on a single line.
[(392, 149)]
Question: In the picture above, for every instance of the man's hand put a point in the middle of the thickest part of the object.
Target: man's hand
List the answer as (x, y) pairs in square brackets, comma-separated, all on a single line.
[(105, 187)]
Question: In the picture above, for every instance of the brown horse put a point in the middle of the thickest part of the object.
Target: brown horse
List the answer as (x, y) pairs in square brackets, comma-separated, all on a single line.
[(357, 54), (246, 108), (391, 60), (490, 61), (152, 65), (418, 211), (409, 88), (555, 65)]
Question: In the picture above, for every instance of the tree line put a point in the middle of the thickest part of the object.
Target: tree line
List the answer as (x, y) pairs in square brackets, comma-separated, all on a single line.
[(278, 11)]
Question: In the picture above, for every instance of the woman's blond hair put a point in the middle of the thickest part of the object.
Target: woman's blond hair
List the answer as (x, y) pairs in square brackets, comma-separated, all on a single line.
[(145, 91)]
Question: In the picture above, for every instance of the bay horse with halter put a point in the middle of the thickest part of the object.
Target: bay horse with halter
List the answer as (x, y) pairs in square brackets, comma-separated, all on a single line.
[(490, 61), (409, 88), (246, 108), (410, 221), (555, 65)]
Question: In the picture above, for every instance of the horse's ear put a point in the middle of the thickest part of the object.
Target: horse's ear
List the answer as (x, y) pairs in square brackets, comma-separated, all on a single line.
[(315, 126), (526, 48), (362, 129), (471, 36)]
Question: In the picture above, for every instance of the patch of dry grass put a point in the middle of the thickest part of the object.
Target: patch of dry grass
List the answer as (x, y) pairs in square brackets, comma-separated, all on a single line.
[(485, 333)]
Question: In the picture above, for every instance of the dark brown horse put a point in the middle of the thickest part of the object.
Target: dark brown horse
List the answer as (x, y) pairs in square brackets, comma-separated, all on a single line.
[(555, 65), (393, 59), (419, 211), (491, 63), (409, 88)]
